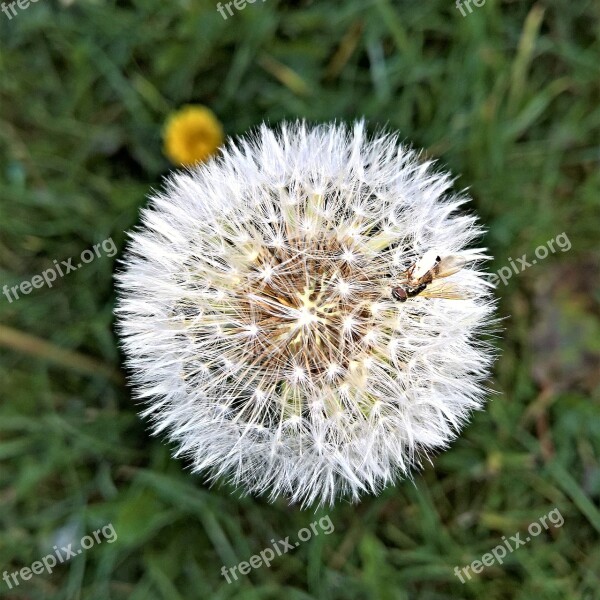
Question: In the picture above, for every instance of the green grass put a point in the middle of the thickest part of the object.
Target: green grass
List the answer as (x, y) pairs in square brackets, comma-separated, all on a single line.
[(507, 97)]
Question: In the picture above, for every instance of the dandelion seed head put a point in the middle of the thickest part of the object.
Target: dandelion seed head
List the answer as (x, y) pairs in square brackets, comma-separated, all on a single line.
[(258, 323)]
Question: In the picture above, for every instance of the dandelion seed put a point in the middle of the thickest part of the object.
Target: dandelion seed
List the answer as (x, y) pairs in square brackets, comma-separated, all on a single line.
[(257, 318)]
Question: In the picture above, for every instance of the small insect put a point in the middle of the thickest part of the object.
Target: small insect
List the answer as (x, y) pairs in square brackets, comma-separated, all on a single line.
[(421, 278)]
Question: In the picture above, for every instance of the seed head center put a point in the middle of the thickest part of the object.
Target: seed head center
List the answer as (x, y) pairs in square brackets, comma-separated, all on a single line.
[(309, 307)]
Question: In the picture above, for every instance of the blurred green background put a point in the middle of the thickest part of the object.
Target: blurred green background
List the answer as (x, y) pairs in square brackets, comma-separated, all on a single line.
[(506, 96)]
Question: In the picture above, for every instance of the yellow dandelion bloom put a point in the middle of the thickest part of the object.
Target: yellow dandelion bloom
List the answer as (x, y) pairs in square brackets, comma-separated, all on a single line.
[(192, 135)]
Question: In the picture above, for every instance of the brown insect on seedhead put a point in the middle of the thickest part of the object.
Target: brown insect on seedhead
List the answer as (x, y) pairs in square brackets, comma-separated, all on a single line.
[(420, 278)]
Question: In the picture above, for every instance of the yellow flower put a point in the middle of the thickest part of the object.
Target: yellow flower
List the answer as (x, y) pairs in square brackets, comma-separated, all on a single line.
[(192, 135)]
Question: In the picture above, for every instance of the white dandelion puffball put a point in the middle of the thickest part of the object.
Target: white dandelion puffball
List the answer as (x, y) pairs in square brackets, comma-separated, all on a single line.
[(259, 324)]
